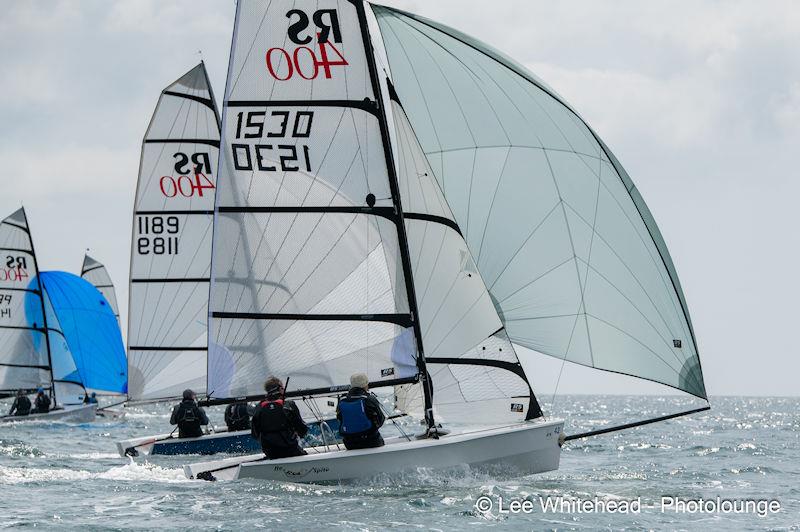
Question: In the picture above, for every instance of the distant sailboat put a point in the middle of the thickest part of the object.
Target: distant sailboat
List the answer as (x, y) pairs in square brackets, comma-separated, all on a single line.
[(411, 204), (97, 274), (88, 323), (33, 349)]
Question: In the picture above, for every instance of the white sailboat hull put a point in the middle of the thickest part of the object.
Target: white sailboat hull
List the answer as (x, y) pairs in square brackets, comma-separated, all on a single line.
[(69, 414), (520, 449)]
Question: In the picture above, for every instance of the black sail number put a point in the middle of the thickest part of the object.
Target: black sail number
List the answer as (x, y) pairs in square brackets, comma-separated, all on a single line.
[(156, 235), (270, 155)]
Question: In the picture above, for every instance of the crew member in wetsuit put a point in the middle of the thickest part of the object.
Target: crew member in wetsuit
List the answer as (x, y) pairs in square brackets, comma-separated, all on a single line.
[(42, 402), (360, 416), (277, 423), (90, 400), (237, 416), (21, 405), (188, 416)]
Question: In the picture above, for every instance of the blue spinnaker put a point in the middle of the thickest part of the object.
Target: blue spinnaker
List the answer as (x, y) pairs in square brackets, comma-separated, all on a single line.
[(90, 329)]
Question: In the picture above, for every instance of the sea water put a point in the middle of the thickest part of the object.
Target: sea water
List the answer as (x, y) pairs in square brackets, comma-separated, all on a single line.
[(744, 449)]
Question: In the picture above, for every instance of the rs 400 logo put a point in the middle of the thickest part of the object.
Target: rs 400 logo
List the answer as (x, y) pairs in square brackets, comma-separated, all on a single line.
[(304, 61)]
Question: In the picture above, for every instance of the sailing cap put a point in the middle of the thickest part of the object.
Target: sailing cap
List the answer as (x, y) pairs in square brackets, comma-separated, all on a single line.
[(39, 389), (188, 394), (359, 380)]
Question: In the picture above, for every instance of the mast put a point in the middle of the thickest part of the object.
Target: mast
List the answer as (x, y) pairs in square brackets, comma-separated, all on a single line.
[(427, 385), (44, 311)]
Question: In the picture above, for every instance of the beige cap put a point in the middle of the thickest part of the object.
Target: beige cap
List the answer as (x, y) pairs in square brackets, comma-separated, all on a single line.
[(359, 380)]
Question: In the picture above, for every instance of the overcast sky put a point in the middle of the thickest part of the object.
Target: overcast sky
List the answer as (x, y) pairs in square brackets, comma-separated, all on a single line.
[(699, 100)]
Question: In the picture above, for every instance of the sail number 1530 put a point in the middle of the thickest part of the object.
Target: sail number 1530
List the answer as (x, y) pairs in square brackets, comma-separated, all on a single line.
[(268, 155)]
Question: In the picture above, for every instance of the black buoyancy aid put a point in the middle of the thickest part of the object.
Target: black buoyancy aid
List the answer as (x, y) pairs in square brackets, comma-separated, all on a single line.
[(239, 417), (42, 403), (189, 421), (353, 410), (274, 426), (23, 406)]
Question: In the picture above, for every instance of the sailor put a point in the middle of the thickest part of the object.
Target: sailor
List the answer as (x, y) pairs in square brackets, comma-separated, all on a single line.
[(360, 415), (237, 416), (90, 400), (188, 416), (277, 423), (42, 402), (21, 405)]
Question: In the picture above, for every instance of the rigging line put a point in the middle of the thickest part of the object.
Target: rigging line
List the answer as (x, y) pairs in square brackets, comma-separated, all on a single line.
[(634, 424)]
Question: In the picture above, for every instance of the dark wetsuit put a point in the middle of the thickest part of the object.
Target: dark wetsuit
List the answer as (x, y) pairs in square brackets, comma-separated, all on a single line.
[(42, 403), (189, 417), (237, 416), (21, 406), (360, 416), (278, 426)]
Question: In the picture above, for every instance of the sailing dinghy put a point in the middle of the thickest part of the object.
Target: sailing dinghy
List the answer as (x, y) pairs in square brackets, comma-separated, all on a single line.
[(411, 204), (171, 261), (33, 349)]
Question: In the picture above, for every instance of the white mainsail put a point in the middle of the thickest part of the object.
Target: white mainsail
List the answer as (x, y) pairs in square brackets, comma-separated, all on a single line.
[(310, 265), (24, 342), (97, 274), (171, 245)]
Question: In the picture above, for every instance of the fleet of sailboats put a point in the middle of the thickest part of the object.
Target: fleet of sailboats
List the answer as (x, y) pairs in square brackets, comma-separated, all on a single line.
[(382, 194)]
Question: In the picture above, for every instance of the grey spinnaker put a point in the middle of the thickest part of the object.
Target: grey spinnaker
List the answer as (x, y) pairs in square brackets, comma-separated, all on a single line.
[(569, 252), (96, 273), (171, 243)]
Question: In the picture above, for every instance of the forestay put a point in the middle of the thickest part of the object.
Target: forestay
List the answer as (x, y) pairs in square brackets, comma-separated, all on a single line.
[(309, 276), (97, 274), (24, 351), (570, 254), (171, 247)]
